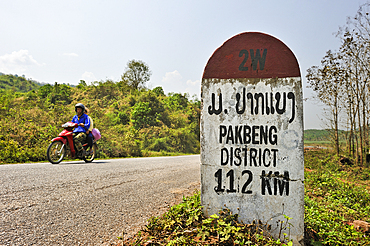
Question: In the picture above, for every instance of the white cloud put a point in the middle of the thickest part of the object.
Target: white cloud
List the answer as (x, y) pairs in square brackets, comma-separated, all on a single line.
[(88, 77), (70, 54), (174, 82), (193, 83), (172, 77), (17, 62)]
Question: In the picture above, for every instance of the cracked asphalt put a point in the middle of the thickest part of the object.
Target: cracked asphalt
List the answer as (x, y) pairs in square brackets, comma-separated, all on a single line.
[(75, 203)]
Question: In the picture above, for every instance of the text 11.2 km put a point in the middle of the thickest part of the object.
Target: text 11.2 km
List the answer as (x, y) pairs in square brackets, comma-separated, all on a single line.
[(272, 183)]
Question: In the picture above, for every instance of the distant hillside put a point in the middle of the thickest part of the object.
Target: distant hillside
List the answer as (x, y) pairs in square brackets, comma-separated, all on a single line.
[(316, 135), (16, 83), (321, 135)]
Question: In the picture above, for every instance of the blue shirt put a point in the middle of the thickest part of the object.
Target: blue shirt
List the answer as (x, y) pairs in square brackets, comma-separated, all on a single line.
[(82, 119)]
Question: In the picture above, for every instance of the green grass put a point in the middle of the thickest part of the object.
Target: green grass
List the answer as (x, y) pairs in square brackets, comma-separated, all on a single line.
[(330, 204), (185, 224), (335, 195)]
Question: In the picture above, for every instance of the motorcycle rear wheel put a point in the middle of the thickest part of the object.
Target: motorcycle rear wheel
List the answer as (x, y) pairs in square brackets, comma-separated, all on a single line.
[(91, 156), (55, 153)]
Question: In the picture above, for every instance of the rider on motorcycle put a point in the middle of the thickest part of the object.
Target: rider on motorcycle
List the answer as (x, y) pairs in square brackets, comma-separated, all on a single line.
[(79, 133)]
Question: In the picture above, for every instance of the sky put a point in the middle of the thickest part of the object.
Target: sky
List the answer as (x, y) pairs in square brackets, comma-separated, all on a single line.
[(68, 41)]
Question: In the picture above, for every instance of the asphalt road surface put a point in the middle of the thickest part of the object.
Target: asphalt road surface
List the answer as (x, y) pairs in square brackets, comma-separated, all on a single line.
[(75, 203)]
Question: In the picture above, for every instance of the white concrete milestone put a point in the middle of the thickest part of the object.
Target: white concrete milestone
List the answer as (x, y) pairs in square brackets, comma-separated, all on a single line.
[(252, 135)]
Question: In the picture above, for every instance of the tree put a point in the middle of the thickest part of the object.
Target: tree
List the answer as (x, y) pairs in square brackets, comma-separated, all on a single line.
[(143, 116), (176, 101), (149, 111), (327, 82), (137, 73), (45, 90), (342, 82), (158, 91), (59, 93), (355, 50), (82, 84)]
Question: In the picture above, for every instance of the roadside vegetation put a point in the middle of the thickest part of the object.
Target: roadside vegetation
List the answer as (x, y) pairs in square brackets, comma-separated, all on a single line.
[(133, 120), (337, 201)]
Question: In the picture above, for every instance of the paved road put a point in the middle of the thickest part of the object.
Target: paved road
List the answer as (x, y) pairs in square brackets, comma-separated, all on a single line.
[(74, 203)]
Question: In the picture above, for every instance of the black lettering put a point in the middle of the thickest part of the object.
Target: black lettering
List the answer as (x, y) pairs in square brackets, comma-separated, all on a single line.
[(230, 174), (245, 155), (277, 97), (281, 183), (258, 58), (272, 103), (244, 134), (212, 109), (273, 137), (230, 135), (231, 156), (223, 161), (260, 157), (250, 96), (266, 183), (255, 134), (240, 111), (252, 156), (267, 104), (249, 180), (274, 151), (257, 96), (223, 132), (284, 183), (246, 55), (247, 134), (238, 157), (238, 134), (264, 158), (256, 157), (275, 183), (263, 135), (292, 96), (218, 176)]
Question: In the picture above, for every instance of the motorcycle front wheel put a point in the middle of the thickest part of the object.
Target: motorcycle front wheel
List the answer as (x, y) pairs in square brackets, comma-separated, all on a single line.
[(56, 152), (91, 153)]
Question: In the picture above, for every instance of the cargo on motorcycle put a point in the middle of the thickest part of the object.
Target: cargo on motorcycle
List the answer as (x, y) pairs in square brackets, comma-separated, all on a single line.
[(74, 141)]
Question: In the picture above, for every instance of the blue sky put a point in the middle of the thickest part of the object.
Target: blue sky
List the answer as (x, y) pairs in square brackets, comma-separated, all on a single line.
[(65, 41)]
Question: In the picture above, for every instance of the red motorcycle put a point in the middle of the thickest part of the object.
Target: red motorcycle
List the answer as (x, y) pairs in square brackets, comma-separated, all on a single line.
[(63, 145)]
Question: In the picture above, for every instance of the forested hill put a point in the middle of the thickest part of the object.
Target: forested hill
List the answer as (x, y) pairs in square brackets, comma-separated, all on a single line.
[(133, 120), (320, 135), (316, 135), (17, 83)]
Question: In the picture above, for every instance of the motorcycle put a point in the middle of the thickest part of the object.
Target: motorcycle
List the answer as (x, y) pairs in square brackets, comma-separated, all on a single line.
[(63, 146)]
